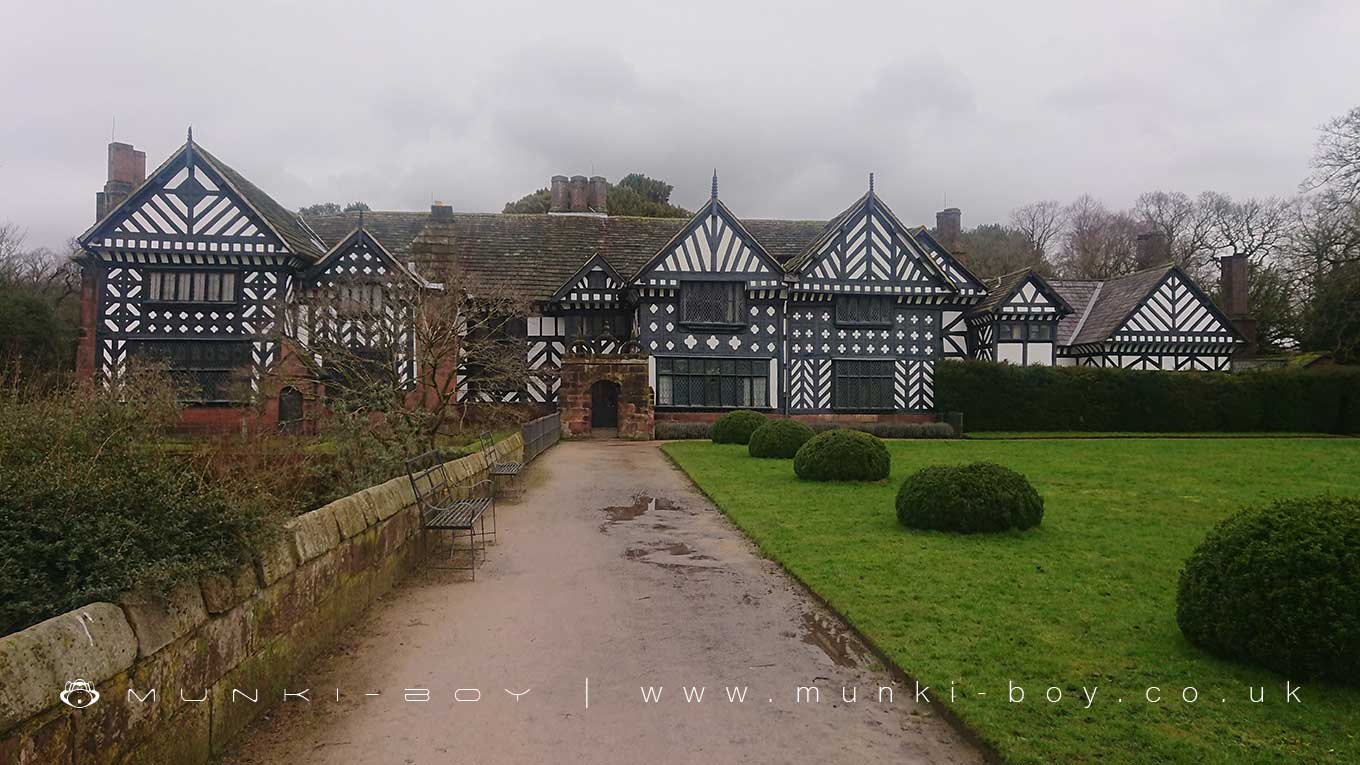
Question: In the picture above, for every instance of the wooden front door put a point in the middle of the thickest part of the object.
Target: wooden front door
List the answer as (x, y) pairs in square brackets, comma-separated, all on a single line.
[(604, 404)]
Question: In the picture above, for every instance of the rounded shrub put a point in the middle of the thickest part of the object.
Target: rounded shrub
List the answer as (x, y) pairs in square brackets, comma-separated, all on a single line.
[(1279, 586), (779, 438), (842, 455), (737, 427), (972, 498)]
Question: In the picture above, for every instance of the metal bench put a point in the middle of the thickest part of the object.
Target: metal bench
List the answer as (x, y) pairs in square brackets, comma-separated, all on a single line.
[(511, 469), (442, 510)]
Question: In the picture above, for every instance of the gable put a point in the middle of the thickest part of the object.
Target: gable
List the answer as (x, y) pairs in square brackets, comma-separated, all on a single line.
[(1032, 297), (186, 206), (869, 248), (1175, 311), (596, 282), (713, 242), (358, 258)]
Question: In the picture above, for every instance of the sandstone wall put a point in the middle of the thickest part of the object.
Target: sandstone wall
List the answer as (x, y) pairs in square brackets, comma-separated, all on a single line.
[(253, 630)]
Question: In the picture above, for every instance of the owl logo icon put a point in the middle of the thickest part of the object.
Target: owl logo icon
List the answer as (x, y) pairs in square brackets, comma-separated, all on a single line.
[(79, 694)]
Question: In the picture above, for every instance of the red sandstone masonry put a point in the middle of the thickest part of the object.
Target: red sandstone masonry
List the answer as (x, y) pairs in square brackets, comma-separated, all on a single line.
[(254, 629)]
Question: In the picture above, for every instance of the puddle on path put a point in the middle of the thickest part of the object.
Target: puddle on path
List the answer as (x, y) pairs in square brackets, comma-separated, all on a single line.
[(835, 641), (641, 504)]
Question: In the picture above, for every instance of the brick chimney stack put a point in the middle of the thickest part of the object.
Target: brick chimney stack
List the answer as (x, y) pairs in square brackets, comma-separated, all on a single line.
[(441, 212), (948, 226), (1152, 249), (127, 171), (599, 194), (560, 194), (1233, 296), (578, 194)]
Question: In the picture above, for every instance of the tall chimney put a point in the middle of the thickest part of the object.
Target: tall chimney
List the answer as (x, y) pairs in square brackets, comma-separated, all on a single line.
[(1233, 292), (1152, 249), (127, 171), (599, 194), (579, 194), (948, 225), (441, 212), (559, 194)]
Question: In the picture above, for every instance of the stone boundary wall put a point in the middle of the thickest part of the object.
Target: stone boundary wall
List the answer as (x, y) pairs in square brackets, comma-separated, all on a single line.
[(209, 649)]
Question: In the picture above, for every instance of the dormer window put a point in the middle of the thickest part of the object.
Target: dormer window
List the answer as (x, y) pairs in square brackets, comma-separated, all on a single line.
[(713, 303)]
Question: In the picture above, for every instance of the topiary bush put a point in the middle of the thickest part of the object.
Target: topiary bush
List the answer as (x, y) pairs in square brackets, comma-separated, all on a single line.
[(779, 439), (842, 455), (1279, 586), (737, 427), (980, 497)]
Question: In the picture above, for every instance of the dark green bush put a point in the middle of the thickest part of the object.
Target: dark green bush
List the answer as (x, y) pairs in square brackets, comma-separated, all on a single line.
[(95, 502), (972, 498), (779, 439), (1279, 586), (683, 430), (1008, 397), (842, 455), (737, 427)]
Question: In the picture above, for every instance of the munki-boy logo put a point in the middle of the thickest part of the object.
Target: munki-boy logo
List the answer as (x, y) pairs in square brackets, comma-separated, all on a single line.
[(79, 694)]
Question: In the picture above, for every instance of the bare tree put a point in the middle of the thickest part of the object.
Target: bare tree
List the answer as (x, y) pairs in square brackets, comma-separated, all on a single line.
[(422, 356), (1336, 160), (1256, 228), (1098, 243), (1186, 226), (1041, 223)]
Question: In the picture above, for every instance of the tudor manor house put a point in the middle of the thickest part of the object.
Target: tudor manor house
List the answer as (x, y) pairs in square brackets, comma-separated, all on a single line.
[(633, 320)]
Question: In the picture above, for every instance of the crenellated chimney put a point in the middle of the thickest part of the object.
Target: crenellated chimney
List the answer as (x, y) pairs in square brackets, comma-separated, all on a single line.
[(599, 194), (560, 194), (948, 226), (127, 171)]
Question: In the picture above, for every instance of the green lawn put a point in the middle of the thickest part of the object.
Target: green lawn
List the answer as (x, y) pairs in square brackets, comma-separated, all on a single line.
[(1086, 600)]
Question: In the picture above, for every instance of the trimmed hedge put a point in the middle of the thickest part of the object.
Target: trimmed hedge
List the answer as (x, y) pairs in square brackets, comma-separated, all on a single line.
[(892, 429), (737, 427), (682, 430), (1008, 397), (1279, 586), (842, 455), (980, 497), (779, 438)]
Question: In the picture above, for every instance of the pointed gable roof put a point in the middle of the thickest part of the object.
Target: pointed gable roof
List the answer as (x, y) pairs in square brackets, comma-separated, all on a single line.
[(1114, 303), (361, 257), (193, 191), (713, 241), (867, 242), (1026, 283), (578, 283)]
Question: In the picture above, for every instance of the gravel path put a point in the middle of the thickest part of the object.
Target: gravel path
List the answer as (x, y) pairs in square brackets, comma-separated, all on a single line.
[(613, 574)]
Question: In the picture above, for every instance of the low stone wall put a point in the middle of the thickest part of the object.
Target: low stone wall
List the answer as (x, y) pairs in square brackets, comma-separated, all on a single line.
[(179, 677)]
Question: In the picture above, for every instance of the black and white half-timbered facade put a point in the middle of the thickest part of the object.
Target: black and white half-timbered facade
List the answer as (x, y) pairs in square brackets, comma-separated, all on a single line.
[(195, 265)]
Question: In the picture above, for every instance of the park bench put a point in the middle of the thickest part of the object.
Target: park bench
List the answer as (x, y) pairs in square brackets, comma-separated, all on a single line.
[(442, 509), (510, 469)]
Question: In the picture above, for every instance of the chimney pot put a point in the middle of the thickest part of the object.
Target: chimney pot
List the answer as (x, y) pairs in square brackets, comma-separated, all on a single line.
[(948, 226), (599, 194), (579, 194), (559, 195), (441, 211)]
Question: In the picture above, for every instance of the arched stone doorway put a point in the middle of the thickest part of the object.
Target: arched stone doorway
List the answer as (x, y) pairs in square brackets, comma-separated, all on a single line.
[(290, 410), (604, 404)]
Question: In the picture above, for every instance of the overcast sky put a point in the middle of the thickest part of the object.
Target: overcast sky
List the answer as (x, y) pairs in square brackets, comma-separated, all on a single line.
[(476, 103)]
